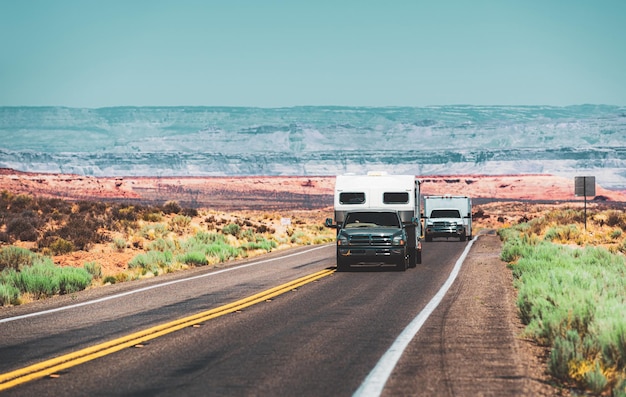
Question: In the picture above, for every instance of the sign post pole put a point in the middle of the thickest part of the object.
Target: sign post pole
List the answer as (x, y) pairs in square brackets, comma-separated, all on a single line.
[(585, 186)]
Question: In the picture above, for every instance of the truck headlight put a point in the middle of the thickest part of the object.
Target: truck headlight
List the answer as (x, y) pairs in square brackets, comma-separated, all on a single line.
[(342, 240), (398, 240)]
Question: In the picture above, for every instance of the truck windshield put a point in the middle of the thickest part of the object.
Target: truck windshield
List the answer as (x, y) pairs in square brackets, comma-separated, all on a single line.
[(445, 214), (372, 219)]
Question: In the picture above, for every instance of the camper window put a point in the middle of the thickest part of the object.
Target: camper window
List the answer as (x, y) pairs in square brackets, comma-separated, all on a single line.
[(445, 214), (352, 198), (396, 198)]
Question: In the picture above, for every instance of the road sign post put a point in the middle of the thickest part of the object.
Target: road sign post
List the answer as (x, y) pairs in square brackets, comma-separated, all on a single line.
[(585, 186)]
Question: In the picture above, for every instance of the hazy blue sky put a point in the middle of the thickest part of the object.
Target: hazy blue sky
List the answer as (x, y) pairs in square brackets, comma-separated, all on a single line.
[(93, 53)]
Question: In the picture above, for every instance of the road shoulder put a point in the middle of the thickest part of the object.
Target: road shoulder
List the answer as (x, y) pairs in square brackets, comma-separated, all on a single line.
[(472, 343)]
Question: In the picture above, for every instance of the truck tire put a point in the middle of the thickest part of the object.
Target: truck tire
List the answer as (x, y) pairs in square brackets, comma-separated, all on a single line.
[(413, 259), (402, 264), (342, 265), (418, 257)]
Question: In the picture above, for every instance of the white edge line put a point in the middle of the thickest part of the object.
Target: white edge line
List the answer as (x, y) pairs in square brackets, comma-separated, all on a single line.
[(58, 309), (375, 382)]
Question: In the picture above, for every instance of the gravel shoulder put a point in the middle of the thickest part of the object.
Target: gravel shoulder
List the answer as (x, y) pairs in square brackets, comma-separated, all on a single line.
[(472, 345)]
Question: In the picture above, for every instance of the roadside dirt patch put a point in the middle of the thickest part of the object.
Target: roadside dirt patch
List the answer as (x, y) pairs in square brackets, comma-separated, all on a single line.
[(472, 344)]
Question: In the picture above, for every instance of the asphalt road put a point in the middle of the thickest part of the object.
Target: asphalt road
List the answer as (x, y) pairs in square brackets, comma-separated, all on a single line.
[(322, 338)]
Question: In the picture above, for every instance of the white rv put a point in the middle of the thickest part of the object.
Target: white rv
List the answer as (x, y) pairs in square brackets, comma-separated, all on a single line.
[(365, 206), (447, 216)]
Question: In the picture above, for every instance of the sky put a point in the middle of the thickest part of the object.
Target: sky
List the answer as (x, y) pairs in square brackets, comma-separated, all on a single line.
[(92, 53)]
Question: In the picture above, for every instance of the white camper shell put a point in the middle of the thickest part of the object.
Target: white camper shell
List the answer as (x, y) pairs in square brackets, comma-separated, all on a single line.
[(377, 191), (447, 216)]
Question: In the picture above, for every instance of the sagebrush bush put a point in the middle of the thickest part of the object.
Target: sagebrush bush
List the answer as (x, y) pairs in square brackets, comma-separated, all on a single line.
[(44, 279), (266, 245), (194, 258), (180, 223), (162, 245), (152, 260), (153, 232), (119, 244), (571, 300), (9, 295), (94, 269), (61, 246), (23, 229), (232, 229), (16, 258), (171, 207)]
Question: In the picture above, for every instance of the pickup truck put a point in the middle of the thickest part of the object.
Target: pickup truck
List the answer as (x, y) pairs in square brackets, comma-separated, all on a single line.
[(372, 237)]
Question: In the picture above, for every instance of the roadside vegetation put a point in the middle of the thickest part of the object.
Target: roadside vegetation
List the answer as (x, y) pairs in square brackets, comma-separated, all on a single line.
[(571, 284), (41, 239)]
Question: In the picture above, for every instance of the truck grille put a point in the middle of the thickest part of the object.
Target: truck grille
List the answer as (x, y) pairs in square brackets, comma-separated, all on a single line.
[(368, 239), (444, 224)]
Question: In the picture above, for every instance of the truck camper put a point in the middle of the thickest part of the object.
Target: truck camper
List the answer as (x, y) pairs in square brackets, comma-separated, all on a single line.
[(377, 220), (447, 216)]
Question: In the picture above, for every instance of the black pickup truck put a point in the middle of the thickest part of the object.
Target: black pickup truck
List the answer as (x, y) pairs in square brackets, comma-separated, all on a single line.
[(372, 237)]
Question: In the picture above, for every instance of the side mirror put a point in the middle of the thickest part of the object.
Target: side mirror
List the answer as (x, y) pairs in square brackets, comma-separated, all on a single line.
[(329, 223)]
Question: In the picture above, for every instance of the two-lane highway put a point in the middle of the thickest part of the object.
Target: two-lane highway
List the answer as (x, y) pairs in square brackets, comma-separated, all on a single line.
[(320, 338)]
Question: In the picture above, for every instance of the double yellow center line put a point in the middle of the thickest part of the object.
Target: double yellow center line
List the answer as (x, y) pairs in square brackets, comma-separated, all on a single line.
[(49, 367)]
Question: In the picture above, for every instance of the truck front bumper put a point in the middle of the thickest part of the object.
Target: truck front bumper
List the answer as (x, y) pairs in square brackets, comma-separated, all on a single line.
[(372, 254)]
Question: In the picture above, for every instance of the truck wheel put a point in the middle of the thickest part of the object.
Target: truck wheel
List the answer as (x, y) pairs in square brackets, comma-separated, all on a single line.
[(418, 258), (461, 238), (402, 265), (413, 259), (342, 266), (429, 238)]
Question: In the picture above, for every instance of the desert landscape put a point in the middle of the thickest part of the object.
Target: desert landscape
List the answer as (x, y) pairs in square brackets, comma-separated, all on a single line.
[(284, 192), (498, 200)]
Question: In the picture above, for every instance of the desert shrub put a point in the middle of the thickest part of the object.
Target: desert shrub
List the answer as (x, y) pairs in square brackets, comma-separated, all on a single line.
[(151, 260), (22, 228), (94, 269), (562, 233), (53, 206), (571, 300), (248, 234), (72, 279), (232, 229), (16, 258), (222, 251), (615, 218), (9, 295), (61, 246), (162, 245), (152, 216), (119, 244), (81, 230), (615, 234), (566, 350), (171, 207), (300, 237), (194, 258), (38, 280), (152, 232), (266, 245), (206, 238), (21, 202), (180, 223), (126, 213), (192, 212), (109, 280)]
